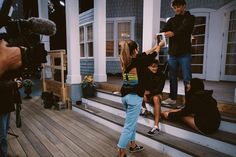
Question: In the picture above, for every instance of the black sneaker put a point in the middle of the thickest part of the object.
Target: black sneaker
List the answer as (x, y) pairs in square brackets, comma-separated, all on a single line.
[(154, 131), (136, 149)]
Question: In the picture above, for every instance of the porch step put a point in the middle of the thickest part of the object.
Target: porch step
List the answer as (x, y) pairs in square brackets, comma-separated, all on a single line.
[(226, 117), (227, 109), (169, 144)]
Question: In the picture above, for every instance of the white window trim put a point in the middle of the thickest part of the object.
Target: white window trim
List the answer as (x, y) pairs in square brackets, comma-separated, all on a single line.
[(223, 76), (85, 25), (206, 13), (115, 37)]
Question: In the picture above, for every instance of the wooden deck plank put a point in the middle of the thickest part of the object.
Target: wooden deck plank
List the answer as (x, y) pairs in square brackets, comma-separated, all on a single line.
[(53, 138), (147, 152), (87, 125), (24, 142), (48, 144), (15, 145), (35, 142), (82, 135), (50, 133), (76, 149), (10, 151), (68, 133), (90, 129)]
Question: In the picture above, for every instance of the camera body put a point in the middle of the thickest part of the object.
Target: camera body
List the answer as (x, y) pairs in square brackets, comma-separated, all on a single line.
[(161, 36), (19, 34)]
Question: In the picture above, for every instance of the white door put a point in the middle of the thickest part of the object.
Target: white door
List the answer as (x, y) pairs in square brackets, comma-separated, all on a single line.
[(199, 45), (228, 66)]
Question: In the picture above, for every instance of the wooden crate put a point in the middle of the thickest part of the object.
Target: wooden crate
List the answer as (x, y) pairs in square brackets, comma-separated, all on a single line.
[(58, 62)]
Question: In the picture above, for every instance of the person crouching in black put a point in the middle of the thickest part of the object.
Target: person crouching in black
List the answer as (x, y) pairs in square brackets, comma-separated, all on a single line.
[(200, 111)]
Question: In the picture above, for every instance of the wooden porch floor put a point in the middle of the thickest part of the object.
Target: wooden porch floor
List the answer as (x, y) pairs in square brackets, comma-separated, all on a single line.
[(62, 133)]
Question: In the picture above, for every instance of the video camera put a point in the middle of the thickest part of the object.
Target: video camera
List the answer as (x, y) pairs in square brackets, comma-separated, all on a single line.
[(25, 34)]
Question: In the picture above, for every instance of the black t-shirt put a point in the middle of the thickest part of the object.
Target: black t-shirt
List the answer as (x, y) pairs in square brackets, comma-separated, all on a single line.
[(154, 82), (182, 27), (141, 63)]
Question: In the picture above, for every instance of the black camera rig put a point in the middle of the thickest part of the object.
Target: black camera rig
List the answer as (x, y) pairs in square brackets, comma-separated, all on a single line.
[(25, 34)]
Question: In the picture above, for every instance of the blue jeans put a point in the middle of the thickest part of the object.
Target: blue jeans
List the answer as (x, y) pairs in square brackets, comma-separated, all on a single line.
[(185, 62), (132, 103), (4, 126)]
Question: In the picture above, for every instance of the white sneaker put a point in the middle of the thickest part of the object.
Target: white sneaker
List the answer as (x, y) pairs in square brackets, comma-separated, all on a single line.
[(169, 101)]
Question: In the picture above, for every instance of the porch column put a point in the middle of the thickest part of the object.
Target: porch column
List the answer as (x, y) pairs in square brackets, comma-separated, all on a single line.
[(99, 39), (72, 38), (151, 22), (43, 13), (73, 50)]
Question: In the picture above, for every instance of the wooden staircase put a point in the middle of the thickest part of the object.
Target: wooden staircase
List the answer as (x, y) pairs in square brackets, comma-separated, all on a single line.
[(174, 140)]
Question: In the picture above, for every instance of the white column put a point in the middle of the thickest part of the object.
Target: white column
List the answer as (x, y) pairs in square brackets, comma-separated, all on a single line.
[(99, 41), (43, 13), (151, 21), (72, 38)]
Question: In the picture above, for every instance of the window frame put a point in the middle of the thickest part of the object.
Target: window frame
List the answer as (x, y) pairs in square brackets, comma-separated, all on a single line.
[(115, 22), (86, 41)]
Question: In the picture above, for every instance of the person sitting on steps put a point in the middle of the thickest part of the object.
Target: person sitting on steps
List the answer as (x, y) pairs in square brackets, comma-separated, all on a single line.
[(153, 93), (200, 111)]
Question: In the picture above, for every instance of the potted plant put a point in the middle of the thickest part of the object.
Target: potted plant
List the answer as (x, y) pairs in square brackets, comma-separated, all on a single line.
[(88, 86), (27, 84)]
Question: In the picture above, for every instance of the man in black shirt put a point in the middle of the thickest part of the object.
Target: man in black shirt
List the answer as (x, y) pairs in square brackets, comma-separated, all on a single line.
[(179, 29)]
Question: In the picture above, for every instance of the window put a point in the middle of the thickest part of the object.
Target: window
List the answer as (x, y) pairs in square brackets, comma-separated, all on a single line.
[(118, 29), (110, 40), (230, 65), (90, 40), (124, 30), (198, 44), (86, 41), (82, 42)]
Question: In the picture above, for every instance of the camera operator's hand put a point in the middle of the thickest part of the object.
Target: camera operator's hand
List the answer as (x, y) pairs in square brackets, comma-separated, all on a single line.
[(10, 57)]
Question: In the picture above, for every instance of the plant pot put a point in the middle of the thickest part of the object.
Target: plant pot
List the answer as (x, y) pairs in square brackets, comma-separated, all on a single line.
[(88, 91), (28, 91)]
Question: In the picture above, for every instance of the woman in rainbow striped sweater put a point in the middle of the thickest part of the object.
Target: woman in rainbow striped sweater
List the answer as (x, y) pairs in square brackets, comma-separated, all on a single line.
[(133, 66)]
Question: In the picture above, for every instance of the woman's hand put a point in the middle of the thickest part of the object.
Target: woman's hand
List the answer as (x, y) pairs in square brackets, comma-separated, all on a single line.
[(161, 43)]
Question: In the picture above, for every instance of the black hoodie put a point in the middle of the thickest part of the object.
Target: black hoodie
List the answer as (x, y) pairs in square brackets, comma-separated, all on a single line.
[(204, 108)]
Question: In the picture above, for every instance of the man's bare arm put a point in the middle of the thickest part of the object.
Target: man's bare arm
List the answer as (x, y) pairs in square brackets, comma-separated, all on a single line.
[(10, 57)]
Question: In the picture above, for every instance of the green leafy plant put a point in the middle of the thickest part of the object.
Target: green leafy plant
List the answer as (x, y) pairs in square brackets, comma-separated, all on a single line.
[(88, 86), (88, 81), (27, 83)]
